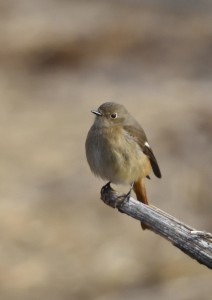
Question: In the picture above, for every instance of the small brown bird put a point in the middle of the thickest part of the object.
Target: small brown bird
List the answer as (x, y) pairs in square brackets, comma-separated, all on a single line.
[(117, 149)]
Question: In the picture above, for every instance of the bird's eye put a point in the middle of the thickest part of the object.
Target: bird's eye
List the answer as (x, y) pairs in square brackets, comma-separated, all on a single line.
[(113, 116)]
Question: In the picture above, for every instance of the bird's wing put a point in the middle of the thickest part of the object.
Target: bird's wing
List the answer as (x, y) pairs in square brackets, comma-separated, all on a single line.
[(138, 134), (148, 151)]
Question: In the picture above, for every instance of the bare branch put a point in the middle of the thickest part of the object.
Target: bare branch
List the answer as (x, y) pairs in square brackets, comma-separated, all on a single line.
[(196, 244)]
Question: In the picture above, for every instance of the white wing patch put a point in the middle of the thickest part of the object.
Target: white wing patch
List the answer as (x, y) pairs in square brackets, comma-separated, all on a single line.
[(147, 144)]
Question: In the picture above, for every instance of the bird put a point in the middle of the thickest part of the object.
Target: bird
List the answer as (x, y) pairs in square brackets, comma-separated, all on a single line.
[(118, 151)]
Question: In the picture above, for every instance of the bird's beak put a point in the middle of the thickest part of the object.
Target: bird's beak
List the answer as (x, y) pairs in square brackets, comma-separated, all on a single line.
[(96, 112)]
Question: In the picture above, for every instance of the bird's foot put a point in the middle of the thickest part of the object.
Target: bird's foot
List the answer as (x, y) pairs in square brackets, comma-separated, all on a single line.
[(106, 187), (112, 198), (108, 195), (125, 197)]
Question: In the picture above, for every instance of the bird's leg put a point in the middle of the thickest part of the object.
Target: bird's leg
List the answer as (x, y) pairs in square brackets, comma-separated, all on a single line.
[(129, 193), (125, 197), (106, 186)]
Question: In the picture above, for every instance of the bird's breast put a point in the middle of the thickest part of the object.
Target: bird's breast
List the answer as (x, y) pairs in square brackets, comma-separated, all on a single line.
[(115, 156)]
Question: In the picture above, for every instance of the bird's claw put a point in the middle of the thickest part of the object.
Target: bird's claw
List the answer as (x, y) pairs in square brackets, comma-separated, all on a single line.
[(112, 198)]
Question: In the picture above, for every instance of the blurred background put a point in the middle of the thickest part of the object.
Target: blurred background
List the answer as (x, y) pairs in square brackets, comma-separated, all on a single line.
[(59, 60)]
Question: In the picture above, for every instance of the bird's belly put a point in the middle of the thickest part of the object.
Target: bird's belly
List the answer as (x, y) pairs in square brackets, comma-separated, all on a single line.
[(119, 160), (131, 167)]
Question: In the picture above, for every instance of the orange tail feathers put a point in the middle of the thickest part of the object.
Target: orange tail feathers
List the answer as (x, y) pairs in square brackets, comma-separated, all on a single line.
[(140, 191)]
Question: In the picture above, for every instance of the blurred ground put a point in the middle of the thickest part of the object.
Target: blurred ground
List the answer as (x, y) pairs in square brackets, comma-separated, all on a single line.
[(60, 59)]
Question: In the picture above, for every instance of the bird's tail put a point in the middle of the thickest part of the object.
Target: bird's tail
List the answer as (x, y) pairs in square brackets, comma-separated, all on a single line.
[(140, 191)]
